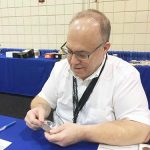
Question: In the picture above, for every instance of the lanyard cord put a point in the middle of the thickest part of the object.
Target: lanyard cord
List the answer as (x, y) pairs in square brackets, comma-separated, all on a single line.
[(78, 105)]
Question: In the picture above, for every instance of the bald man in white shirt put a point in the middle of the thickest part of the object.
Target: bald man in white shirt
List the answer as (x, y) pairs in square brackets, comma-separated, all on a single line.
[(99, 98)]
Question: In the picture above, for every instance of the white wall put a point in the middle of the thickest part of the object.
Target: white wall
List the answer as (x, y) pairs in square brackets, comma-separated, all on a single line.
[(30, 24)]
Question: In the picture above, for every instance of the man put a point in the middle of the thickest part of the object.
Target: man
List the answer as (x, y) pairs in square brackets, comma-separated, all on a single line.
[(98, 97)]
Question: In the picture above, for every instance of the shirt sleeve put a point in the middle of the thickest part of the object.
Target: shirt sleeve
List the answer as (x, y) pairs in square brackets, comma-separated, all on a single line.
[(130, 100)]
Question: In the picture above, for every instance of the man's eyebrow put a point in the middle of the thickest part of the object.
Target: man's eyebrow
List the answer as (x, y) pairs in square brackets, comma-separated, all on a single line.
[(83, 51)]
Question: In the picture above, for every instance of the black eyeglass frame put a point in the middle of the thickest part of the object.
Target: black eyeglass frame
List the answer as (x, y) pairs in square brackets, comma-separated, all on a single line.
[(77, 56)]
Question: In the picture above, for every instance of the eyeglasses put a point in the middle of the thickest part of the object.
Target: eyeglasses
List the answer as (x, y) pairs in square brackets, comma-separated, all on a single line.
[(81, 55)]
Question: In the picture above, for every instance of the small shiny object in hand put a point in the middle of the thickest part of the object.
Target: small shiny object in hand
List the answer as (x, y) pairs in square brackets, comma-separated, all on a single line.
[(146, 148), (48, 125)]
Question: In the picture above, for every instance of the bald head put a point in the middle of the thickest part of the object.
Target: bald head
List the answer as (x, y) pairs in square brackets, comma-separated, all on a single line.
[(96, 19), (84, 31)]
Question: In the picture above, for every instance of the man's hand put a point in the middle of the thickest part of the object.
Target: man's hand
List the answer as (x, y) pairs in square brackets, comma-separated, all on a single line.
[(65, 134), (35, 118), (40, 110)]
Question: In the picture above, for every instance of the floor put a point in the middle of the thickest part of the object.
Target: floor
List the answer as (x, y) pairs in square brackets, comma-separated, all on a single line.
[(14, 105)]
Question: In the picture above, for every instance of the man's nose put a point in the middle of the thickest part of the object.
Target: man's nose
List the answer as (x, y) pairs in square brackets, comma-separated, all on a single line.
[(74, 59)]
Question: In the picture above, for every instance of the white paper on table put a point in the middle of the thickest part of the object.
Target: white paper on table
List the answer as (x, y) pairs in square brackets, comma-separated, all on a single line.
[(4, 144), (111, 147), (141, 146)]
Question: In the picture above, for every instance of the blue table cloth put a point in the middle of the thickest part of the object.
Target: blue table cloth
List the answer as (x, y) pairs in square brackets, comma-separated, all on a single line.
[(27, 76), (23, 138), (131, 55), (145, 79), (24, 76)]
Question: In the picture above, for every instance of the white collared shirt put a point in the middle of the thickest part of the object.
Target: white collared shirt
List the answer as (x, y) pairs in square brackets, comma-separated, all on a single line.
[(117, 95)]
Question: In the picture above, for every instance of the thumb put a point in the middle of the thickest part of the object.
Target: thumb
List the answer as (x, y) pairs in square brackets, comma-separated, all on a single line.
[(41, 115)]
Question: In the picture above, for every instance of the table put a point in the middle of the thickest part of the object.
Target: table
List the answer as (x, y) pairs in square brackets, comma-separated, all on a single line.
[(24, 76), (131, 55), (27, 76), (23, 138)]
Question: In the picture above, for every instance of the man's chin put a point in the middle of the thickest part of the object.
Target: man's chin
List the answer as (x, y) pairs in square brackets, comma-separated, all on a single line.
[(79, 75), (78, 72)]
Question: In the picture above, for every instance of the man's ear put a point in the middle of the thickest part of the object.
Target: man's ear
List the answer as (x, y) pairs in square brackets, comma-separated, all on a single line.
[(106, 46)]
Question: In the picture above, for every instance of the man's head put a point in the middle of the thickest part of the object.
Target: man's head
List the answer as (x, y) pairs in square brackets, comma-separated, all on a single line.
[(87, 42), (98, 17)]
